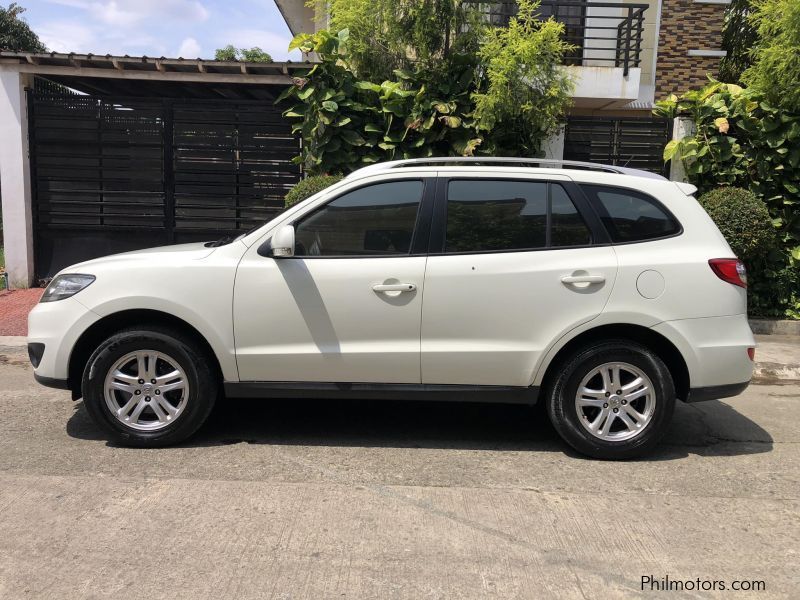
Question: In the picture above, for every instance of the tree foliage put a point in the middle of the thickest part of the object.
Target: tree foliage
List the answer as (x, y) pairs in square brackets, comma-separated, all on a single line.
[(775, 68), (15, 34), (232, 54), (523, 95), (741, 140), (739, 35), (420, 35), (492, 91)]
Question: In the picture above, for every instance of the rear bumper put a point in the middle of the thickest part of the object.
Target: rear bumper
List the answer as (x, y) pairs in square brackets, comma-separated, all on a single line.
[(715, 392), (715, 351)]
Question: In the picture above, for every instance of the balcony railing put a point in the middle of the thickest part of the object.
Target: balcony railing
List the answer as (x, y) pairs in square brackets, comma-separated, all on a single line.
[(602, 33)]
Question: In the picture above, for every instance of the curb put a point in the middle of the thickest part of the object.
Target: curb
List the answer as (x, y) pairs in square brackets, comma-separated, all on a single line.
[(13, 341), (774, 327)]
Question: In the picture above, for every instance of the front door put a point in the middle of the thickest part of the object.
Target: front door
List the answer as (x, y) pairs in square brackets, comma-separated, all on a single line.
[(514, 269), (347, 307)]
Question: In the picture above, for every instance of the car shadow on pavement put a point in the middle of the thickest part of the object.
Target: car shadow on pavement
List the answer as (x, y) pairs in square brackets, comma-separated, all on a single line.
[(707, 429)]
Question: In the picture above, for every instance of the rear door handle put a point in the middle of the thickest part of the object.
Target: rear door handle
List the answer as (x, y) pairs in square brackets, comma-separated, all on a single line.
[(583, 279), (394, 287)]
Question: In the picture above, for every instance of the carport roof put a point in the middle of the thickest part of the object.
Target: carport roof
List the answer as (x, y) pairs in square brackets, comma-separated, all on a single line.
[(147, 76)]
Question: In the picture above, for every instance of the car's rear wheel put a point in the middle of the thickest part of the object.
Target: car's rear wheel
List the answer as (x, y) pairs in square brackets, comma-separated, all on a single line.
[(612, 400), (149, 387)]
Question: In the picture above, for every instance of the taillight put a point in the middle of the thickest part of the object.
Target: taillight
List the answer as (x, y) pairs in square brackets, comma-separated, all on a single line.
[(731, 270)]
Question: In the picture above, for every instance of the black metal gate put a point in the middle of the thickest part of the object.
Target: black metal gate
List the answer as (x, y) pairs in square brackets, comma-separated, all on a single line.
[(117, 174), (636, 142)]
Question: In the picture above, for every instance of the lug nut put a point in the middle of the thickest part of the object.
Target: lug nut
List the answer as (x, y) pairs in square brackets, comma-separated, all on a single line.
[(605, 404), (147, 398), (137, 392), (618, 391), (153, 381), (158, 392), (608, 394), (141, 381), (616, 410), (624, 402)]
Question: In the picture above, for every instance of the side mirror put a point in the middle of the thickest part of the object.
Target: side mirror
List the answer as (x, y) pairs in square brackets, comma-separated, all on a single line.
[(282, 243)]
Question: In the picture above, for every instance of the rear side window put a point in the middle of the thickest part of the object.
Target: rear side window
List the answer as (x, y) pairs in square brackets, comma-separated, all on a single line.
[(495, 215), (630, 216)]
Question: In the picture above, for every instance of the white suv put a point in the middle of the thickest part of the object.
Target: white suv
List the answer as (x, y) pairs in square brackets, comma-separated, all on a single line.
[(604, 292)]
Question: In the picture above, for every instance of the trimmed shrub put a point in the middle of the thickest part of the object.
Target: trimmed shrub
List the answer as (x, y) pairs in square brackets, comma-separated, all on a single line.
[(308, 187), (743, 219)]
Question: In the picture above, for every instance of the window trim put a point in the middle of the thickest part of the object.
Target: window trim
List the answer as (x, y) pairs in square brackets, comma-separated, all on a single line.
[(655, 201), (422, 225), (438, 236)]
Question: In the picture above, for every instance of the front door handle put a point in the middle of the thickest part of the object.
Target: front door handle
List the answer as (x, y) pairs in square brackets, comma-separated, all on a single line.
[(583, 279), (394, 287)]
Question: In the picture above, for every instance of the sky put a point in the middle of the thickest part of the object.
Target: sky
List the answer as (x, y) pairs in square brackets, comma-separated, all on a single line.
[(170, 28)]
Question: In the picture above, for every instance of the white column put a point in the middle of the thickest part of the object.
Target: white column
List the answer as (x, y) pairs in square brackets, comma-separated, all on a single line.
[(553, 146), (681, 127), (15, 183)]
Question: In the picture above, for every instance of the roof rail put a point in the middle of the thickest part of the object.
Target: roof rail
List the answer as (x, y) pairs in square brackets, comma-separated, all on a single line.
[(499, 160)]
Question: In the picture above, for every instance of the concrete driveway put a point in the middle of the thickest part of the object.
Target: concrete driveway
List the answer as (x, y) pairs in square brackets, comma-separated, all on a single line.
[(393, 500)]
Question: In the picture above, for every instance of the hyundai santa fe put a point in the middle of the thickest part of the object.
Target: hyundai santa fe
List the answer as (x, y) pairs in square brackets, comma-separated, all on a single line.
[(606, 293)]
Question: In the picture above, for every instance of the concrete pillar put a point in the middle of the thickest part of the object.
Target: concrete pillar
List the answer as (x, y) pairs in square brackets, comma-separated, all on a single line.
[(553, 146), (681, 127), (15, 181)]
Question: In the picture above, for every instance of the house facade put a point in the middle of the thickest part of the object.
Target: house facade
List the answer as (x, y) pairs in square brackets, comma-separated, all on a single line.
[(628, 55)]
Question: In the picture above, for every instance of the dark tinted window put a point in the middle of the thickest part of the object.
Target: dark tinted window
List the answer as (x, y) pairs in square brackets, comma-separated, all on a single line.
[(374, 220), (567, 227), (487, 215), (630, 216)]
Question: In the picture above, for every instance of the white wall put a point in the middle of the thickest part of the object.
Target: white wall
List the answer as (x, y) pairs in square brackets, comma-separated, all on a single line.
[(15, 185)]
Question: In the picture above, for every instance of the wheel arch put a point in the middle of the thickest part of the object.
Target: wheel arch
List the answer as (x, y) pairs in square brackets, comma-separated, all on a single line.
[(112, 323), (653, 340)]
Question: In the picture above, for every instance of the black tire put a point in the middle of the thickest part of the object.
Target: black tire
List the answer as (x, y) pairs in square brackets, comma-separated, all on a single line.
[(564, 415), (199, 370)]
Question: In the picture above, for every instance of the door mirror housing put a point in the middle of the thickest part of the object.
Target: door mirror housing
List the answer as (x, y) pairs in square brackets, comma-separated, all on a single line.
[(282, 243)]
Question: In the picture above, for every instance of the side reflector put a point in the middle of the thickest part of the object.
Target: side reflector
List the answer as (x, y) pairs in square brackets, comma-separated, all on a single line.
[(731, 270), (751, 352)]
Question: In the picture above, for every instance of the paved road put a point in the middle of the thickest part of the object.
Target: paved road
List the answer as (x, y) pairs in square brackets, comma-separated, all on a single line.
[(383, 500)]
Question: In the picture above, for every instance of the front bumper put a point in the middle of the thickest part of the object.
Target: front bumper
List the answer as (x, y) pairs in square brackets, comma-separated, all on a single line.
[(59, 384), (58, 326)]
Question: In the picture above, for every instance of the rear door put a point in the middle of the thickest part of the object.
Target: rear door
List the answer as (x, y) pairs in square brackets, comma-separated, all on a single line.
[(515, 262)]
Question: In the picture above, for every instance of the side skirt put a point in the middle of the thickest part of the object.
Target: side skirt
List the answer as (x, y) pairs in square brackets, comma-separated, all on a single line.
[(383, 391)]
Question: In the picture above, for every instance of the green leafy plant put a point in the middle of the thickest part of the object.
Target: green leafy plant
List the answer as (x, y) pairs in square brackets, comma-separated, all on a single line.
[(525, 89), (739, 35), (775, 59), (502, 94), (743, 219), (309, 186), (741, 140)]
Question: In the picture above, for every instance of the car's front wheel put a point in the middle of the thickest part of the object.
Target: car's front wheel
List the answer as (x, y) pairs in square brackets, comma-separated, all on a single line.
[(149, 387), (612, 400)]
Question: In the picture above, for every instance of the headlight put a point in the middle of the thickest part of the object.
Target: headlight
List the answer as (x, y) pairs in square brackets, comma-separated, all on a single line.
[(65, 286)]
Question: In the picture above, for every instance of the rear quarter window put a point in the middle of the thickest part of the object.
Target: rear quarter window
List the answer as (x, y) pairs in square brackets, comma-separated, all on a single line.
[(629, 215)]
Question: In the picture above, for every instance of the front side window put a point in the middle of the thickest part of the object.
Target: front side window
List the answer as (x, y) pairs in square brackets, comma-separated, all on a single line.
[(375, 220), (496, 215), (630, 216)]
